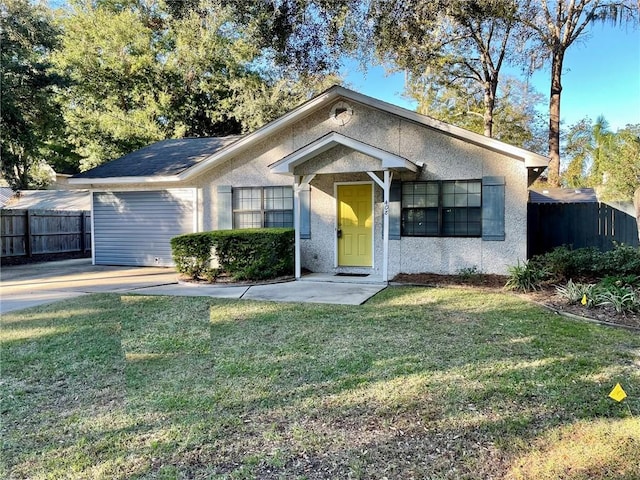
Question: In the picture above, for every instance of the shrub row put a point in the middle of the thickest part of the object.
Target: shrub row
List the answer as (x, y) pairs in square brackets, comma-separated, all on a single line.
[(563, 264), (251, 254)]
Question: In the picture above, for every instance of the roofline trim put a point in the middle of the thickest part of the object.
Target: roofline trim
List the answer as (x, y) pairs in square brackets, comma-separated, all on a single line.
[(287, 164), (531, 159), (122, 180)]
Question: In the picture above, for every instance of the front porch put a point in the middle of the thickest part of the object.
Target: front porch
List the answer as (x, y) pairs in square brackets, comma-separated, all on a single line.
[(332, 163)]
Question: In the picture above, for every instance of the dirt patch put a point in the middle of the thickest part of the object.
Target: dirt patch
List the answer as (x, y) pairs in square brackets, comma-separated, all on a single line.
[(547, 296), (435, 280)]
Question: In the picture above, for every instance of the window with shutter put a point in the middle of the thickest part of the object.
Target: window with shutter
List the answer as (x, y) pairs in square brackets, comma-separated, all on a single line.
[(257, 207), (451, 208)]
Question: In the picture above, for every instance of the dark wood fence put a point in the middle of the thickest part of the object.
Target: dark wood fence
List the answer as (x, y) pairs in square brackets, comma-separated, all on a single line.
[(25, 233), (578, 225)]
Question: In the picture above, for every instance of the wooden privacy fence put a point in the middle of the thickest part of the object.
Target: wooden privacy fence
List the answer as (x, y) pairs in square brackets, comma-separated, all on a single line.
[(34, 232), (578, 225)]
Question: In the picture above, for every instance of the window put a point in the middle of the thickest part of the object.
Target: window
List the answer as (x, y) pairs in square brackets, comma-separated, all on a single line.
[(442, 209), (257, 207)]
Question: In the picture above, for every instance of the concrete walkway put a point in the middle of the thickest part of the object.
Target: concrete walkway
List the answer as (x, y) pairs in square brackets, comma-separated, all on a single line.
[(37, 284)]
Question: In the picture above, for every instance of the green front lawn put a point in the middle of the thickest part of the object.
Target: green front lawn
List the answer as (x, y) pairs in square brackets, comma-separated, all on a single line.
[(418, 383)]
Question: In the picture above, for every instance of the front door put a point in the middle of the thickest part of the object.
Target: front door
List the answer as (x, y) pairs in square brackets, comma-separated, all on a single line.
[(355, 225)]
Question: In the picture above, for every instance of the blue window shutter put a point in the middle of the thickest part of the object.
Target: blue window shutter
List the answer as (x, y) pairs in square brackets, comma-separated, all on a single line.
[(493, 208), (305, 212), (225, 207), (395, 197)]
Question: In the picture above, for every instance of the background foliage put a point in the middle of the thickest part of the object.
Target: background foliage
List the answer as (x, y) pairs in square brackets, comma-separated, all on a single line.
[(90, 80)]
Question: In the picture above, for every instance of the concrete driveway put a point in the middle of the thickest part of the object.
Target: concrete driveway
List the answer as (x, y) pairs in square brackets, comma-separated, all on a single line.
[(26, 286)]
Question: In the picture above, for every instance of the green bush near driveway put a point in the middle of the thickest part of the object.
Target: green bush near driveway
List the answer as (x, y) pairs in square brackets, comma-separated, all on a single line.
[(249, 254)]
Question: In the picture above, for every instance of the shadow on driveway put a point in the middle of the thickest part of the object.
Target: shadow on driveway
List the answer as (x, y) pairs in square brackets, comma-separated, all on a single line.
[(24, 286)]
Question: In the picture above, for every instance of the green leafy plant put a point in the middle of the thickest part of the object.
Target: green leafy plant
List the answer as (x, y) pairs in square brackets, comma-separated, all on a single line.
[(622, 260), (526, 277), (563, 263), (619, 281), (621, 299), (469, 273), (577, 292)]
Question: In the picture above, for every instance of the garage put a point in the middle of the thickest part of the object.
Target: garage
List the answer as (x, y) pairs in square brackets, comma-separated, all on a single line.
[(135, 227)]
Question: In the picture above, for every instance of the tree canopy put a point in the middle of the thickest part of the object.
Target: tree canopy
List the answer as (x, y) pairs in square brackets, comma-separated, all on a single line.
[(145, 75), (30, 115), (101, 78), (555, 26)]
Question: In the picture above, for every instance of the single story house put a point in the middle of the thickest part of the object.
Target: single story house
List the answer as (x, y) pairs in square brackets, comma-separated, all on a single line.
[(371, 188)]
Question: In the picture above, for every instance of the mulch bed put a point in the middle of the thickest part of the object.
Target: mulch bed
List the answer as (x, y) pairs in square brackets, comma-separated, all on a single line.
[(546, 297)]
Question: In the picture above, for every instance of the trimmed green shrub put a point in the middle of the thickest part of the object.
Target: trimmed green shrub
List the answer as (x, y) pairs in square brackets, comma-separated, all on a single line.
[(563, 263), (622, 260), (192, 254), (249, 254)]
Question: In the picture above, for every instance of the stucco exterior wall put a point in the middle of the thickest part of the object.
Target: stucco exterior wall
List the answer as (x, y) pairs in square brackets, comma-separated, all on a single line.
[(444, 158)]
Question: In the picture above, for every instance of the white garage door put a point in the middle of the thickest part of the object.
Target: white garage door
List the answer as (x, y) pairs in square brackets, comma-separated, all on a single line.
[(134, 228)]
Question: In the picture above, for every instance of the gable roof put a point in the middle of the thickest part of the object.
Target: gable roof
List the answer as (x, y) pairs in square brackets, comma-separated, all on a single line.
[(219, 155), (332, 139)]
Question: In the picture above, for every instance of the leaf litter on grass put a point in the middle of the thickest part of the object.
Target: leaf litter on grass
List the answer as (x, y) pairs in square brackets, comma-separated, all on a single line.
[(417, 383)]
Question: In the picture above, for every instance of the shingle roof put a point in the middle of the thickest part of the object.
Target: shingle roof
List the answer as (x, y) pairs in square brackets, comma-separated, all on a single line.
[(51, 200), (5, 195), (563, 195), (168, 157)]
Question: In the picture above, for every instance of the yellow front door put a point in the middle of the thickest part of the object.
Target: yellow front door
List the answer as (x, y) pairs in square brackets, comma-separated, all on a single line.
[(355, 225)]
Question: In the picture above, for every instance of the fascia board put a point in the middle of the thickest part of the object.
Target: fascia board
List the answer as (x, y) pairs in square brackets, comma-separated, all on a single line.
[(270, 128), (122, 180), (389, 160), (531, 159)]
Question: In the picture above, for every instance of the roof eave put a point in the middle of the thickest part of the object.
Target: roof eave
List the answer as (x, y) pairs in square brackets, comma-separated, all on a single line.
[(536, 161), (124, 180), (248, 140), (287, 164)]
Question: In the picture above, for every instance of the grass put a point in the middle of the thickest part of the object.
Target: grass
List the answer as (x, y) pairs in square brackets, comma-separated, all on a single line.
[(444, 383)]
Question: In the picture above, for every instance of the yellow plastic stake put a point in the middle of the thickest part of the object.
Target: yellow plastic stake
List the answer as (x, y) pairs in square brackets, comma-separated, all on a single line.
[(618, 394), (584, 299)]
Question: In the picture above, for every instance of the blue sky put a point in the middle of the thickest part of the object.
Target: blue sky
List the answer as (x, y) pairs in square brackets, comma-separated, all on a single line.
[(601, 76)]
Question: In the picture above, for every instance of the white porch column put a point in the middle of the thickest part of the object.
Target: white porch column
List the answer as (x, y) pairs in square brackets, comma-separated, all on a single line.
[(298, 184), (386, 187), (296, 225)]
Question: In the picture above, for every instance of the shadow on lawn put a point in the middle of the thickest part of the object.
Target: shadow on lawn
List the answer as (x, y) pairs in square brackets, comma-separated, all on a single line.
[(304, 390), (422, 383)]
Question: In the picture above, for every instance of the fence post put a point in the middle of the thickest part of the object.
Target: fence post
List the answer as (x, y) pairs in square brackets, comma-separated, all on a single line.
[(82, 232), (27, 233)]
